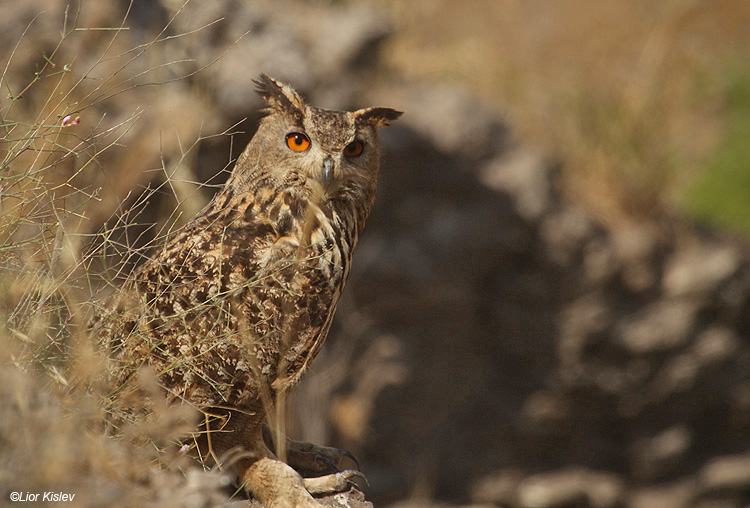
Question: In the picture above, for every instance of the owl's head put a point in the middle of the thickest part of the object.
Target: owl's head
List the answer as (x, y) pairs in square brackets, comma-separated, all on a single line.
[(312, 149)]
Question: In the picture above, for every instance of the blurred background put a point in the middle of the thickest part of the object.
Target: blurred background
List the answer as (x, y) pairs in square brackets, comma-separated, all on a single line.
[(550, 306)]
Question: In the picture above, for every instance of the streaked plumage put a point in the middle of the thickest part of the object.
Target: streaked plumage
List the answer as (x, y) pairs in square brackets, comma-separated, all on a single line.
[(235, 306)]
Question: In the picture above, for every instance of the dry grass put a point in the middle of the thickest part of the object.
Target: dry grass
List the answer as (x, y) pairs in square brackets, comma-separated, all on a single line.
[(63, 174), (630, 95)]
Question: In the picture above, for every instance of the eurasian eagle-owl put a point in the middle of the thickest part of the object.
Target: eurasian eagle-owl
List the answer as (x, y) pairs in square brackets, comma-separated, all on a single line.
[(230, 312)]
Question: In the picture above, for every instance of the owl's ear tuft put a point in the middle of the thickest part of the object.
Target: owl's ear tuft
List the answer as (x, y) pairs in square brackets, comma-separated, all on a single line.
[(280, 97), (377, 117)]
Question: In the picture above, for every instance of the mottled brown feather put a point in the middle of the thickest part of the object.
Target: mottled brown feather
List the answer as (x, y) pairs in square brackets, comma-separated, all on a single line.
[(232, 309)]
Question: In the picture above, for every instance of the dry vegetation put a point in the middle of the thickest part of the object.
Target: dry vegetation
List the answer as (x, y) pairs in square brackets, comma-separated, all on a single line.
[(632, 96), (68, 229)]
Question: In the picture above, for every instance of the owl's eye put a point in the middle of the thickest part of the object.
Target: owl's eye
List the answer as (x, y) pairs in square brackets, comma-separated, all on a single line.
[(354, 149), (297, 141)]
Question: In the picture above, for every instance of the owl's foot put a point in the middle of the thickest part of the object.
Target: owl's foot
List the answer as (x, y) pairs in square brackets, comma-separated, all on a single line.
[(276, 485), (313, 460), (309, 459)]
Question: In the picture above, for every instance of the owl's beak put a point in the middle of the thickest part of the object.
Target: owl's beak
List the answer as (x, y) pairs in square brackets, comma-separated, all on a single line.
[(327, 170)]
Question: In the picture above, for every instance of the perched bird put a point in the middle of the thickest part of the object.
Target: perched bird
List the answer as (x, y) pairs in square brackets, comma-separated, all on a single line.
[(234, 307)]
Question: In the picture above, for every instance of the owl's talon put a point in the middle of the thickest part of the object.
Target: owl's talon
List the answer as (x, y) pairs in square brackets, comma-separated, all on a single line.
[(350, 455), (351, 474)]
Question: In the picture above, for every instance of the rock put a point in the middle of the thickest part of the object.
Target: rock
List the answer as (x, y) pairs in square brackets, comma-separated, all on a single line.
[(635, 248), (659, 326), (569, 487), (499, 488), (659, 455), (429, 503), (352, 499), (729, 472), (715, 345), (454, 121), (526, 177), (670, 495), (328, 53), (565, 235), (699, 269)]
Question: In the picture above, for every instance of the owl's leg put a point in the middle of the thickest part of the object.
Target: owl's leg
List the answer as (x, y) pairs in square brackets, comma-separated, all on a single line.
[(268, 479), (234, 440), (312, 460)]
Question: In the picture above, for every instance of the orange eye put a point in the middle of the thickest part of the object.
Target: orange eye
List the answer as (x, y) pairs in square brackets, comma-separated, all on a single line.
[(297, 141), (354, 149)]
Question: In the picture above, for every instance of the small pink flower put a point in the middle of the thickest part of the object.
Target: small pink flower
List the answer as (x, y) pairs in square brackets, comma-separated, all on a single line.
[(184, 449), (68, 123)]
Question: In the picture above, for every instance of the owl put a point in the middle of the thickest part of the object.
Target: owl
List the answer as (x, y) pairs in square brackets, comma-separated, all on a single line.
[(229, 313)]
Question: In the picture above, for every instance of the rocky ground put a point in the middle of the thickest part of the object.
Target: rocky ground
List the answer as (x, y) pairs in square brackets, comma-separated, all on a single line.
[(497, 345)]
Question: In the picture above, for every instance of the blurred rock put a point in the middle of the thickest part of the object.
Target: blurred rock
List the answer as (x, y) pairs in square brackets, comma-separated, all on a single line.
[(570, 487), (660, 326), (564, 234), (716, 345), (328, 53), (563, 342), (699, 269), (453, 121), (499, 488), (352, 499), (659, 455), (730, 472), (673, 495), (525, 176), (429, 503), (635, 248)]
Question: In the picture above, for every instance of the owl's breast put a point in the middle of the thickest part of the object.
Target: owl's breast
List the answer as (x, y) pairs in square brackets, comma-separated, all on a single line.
[(242, 298), (303, 274)]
